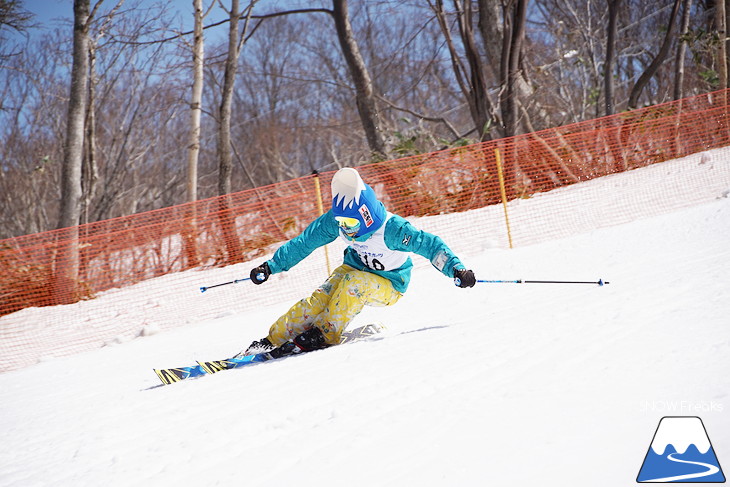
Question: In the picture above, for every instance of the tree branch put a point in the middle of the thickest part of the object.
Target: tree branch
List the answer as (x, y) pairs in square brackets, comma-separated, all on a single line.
[(421, 116), (224, 21)]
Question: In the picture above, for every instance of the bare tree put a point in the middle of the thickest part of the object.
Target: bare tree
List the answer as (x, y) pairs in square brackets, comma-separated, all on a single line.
[(14, 17), (67, 259), (225, 161), (515, 20), (364, 96), (296, 105), (30, 159), (196, 98), (658, 60), (225, 158), (90, 169), (196, 109), (681, 51), (495, 26), (74, 147), (269, 137), (609, 65), (235, 43), (470, 77), (722, 51)]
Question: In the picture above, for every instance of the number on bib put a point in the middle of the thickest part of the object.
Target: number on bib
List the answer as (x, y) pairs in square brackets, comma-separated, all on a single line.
[(373, 264)]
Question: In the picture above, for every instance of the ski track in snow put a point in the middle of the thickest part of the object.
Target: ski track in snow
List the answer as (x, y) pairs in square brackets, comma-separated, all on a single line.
[(502, 384), (711, 470)]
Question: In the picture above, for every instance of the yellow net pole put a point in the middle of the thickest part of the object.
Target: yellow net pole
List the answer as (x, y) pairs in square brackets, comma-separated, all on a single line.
[(504, 194), (320, 208)]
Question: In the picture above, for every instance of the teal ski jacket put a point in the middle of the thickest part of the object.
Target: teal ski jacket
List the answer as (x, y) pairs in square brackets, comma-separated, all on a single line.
[(399, 235)]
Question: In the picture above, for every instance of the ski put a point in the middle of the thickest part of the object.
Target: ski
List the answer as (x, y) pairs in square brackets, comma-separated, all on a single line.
[(232, 363), (168, 376), (177, 374)]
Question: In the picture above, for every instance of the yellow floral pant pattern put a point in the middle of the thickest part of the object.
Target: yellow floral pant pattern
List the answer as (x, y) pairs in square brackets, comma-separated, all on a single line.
[(334, 305)]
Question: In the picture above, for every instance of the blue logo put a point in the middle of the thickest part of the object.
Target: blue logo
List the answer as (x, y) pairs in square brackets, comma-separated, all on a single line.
[(681, 452)]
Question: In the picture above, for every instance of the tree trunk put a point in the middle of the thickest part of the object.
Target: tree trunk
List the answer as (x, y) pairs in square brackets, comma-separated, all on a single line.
[(657, 61), (682, 52), (74, 146), (189, 233), (365, 99), (225, 158), (608, 69), (479, 103), (90, 170), (196, 101), (66, 276), (491, 26), (510, 107), (471, 80), (722, 44), (727, 22)]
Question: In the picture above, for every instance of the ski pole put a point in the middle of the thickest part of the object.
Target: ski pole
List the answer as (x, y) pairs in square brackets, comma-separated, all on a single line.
[(235, 281), (600, 282)]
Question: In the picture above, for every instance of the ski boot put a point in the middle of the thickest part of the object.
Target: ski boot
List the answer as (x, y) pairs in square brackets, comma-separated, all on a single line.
[(257, 346), (308, 341)]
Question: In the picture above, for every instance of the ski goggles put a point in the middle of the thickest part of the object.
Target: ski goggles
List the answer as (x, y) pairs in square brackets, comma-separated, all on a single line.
[(348, 225)]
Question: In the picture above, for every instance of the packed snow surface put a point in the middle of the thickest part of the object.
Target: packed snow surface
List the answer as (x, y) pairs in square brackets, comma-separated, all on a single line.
[(501, 384)]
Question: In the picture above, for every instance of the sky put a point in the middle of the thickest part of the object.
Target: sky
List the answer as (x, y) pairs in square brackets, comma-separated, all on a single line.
[(50, 14), (57, 13)]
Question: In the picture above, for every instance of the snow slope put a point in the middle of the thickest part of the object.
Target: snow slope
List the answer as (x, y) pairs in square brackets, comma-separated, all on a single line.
[(173, 300), (502, 384)]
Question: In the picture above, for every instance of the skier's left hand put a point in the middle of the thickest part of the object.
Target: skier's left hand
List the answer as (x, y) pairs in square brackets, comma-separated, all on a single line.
[(261, 273), (464, 278)]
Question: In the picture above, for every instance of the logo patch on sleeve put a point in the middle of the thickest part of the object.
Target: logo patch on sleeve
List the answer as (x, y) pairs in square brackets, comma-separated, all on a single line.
[(366, 216), (439, 260), (406, 239)]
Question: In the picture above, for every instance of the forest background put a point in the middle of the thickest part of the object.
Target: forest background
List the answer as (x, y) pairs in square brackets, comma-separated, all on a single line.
[(134, 105)]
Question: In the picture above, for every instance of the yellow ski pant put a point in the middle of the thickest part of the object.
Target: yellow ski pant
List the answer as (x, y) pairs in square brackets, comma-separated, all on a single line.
[(334, 305)]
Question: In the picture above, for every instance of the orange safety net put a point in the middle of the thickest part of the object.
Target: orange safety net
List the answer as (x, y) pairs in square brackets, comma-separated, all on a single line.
[(174, 251)]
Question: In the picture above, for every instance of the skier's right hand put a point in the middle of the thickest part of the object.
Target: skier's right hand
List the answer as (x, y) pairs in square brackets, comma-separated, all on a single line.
[(261, 273)]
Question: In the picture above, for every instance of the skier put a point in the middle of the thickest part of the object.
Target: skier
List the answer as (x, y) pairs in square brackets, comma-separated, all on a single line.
[(376, 269)]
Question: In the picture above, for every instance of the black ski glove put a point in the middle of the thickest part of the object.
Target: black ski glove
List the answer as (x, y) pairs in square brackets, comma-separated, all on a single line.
[(464, 278), (261, 273)]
